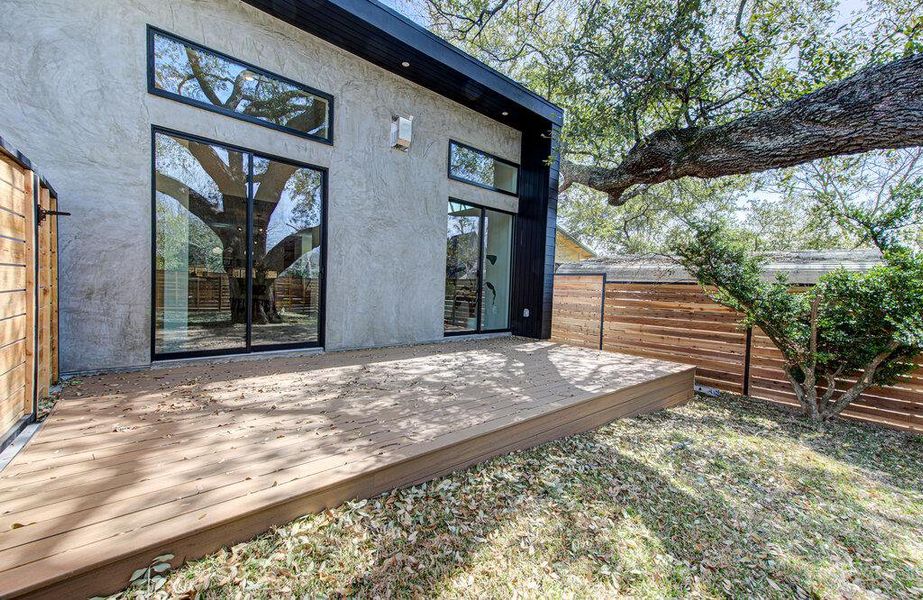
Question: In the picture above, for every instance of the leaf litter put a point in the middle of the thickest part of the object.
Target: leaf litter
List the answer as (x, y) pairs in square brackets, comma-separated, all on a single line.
[(723, 497)]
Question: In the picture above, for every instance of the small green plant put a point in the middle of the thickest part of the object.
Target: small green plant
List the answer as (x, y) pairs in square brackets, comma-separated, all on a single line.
[(148, 580), (861, 329)]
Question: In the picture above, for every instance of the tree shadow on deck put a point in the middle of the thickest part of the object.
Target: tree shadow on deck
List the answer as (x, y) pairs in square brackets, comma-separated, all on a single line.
[(131, 451), (629, 509)]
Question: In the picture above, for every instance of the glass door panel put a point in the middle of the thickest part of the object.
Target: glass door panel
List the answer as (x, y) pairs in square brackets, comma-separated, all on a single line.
[(463, 245), (495, 289), (200, 262), (287, 222)]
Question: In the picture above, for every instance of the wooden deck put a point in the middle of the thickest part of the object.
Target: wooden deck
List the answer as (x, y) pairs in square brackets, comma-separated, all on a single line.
[(188, 459)]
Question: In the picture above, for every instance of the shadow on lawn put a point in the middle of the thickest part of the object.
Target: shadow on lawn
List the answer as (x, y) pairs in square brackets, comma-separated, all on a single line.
[(592, 507), (884, 455)]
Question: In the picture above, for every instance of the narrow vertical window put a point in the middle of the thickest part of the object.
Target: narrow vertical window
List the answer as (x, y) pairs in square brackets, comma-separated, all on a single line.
[(462, 268), (287, 204), (495, 290), (201, 247)]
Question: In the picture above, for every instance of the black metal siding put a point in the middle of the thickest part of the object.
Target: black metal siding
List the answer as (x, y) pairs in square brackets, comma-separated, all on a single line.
[(534, 256)]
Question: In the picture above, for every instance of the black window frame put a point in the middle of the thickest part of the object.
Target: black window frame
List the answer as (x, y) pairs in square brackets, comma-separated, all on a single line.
[(480, 288), (248, 347), (154, 90), (492, 188)]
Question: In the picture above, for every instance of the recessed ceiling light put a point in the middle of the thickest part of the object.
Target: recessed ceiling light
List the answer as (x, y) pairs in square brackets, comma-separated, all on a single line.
[(405, 64), (505, 114)]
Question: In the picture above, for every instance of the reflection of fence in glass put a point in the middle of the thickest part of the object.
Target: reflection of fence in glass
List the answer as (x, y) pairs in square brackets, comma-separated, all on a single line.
[(460, 304), (210, 292)]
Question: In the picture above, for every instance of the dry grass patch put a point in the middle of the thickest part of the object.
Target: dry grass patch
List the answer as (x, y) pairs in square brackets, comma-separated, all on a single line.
[(722, 497)]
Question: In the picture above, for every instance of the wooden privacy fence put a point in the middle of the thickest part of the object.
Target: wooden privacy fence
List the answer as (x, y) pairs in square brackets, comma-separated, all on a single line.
[(28, 292), (680, 323)]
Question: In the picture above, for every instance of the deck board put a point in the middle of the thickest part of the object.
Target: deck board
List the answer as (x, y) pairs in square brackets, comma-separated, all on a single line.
[(185, 460)]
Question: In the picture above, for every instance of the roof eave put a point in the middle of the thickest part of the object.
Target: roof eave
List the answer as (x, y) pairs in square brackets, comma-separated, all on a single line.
[(435, 63)]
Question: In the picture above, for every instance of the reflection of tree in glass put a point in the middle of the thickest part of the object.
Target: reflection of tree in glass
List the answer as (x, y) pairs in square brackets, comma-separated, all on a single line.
[(286, 227), (211, 183), (472, 165), (462, 247), (215, 80)]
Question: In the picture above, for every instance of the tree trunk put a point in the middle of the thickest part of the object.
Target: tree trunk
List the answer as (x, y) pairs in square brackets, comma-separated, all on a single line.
[(263, 304), (805, 391), (237, 287), (880, 107), (865, 381), (264, 300)]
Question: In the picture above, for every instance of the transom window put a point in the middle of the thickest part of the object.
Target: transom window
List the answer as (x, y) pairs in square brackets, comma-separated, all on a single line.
[(187, 72), (479, 168), (479, 246)]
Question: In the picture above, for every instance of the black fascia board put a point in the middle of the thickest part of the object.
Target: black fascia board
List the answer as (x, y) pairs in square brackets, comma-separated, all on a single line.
[(382, 36)]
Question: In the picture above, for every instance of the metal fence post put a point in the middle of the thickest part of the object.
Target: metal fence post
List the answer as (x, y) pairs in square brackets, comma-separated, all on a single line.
[(602, 313), (747, 360)]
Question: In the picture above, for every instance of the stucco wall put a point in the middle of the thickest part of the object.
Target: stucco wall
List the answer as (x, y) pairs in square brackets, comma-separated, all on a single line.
[(73, 97)]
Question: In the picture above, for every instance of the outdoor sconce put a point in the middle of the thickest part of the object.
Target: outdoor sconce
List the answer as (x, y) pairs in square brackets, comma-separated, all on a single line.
[(401, 132)]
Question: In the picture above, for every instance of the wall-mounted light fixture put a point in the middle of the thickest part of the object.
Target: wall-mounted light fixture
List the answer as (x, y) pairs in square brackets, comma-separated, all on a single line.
[(401, 132)]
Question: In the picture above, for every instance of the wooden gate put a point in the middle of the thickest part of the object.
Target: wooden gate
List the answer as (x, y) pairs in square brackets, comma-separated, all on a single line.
[(28, 292)]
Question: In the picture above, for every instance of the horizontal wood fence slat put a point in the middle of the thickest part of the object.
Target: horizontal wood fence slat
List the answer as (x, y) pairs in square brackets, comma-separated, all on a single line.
[(680, 323), (576, 313), (28, 292), (16, 308)]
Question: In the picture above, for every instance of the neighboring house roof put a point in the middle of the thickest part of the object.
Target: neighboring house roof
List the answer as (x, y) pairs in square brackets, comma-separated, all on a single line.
[(386, 38), (568, 248), (802, 267)]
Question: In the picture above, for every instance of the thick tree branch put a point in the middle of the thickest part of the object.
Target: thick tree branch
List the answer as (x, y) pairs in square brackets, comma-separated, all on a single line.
[(195, 202), (738, 21), (230, 179), (864, 382), (207, 211), (202, 76), (879, 107), (272, 182), (288, 250)]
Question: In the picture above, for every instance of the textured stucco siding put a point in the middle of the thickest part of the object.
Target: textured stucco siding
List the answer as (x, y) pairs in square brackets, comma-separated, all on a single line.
[(73, 97)]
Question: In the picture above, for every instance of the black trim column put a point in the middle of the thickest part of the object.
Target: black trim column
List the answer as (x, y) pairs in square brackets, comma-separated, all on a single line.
[(533, 270)]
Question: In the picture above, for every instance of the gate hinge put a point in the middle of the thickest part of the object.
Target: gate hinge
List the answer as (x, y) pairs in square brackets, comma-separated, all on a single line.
[(42, 213)]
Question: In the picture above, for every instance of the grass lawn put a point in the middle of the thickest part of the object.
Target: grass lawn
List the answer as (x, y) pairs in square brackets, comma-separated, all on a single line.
[(722, 497)]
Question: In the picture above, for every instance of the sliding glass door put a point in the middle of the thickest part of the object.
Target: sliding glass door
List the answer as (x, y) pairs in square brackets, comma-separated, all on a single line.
[(479, 246), (238, 257)]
